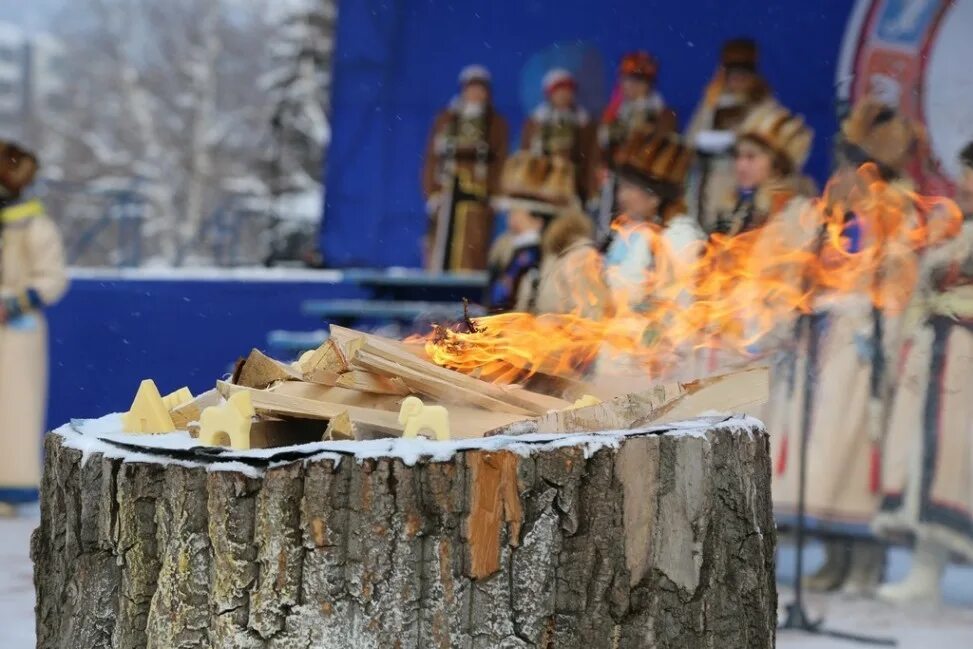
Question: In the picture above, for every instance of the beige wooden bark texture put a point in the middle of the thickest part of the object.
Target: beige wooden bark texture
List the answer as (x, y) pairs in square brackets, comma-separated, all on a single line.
[(664, 541)]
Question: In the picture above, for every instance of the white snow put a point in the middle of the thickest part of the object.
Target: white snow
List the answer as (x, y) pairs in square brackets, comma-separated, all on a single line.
[(95, 436), (210, 274)]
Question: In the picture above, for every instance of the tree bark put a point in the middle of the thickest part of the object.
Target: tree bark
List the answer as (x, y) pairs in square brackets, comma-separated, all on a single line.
[(658, 540)]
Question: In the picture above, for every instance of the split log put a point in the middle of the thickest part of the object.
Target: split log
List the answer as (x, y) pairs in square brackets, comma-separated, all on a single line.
[(260, 371), (649, 540), (389, 358), (191, 411), (464, 423), (739, 392)]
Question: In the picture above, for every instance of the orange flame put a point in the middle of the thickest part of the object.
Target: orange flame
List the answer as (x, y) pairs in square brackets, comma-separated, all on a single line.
[(861, 242)]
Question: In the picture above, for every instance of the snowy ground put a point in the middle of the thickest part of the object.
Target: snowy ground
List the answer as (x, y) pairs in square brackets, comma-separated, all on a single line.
[(915, 627)]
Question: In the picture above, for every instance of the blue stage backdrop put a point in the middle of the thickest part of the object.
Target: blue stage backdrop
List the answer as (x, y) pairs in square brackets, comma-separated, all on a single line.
[(397, 61)]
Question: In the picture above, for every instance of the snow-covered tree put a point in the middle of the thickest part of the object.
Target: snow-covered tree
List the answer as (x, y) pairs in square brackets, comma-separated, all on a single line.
[(299, 84), (165, 96)]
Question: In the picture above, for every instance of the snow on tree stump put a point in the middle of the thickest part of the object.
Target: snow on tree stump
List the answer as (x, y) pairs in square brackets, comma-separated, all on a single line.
[(655, 538)]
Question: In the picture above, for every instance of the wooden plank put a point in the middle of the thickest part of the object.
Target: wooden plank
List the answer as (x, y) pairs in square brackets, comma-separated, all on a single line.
[(373, 383), (465, 423), (189, 412), (516, 399), (345, 337), (344, 396), (435, 387), (284, 405), (733, 392), (259, 371)]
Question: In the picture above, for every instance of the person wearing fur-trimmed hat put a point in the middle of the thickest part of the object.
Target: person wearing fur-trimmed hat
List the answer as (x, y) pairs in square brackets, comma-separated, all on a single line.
[(636, 106), (736, 89), (461, 173), (560, 127), (771, 147), (846, 351), (927, 477), (32, 278), (534, 191), (651, 171)]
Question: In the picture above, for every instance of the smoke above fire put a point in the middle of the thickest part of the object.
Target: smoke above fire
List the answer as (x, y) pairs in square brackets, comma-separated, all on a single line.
[(857, 246)]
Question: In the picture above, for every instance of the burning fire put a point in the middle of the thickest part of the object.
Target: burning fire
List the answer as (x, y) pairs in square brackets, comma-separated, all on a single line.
[(860, 241)]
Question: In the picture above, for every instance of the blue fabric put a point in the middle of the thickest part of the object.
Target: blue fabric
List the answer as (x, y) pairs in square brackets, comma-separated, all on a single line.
[(397, 60), (108, 335), (503, 291), (18, 495)]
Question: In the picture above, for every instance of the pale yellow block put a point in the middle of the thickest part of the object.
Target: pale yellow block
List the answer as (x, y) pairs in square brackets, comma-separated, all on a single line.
[(232, 421), (417, 416), (178, 398), (148, 414), (585, 401)]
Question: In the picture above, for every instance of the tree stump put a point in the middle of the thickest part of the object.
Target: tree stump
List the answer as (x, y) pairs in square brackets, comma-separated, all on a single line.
[(653, 538)]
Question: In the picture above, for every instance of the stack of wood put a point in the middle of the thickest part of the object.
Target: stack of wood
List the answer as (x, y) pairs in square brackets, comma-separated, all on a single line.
[(353, 385)]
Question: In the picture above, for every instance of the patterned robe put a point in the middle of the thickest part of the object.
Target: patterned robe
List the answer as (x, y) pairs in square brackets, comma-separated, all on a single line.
[(927, 482), (566, 134), (464, 157), (32, 272)]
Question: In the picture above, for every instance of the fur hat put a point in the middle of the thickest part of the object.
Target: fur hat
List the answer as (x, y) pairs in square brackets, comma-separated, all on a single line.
[(538, 183), (781, 131), (558, 78), (639, 64), (740, 53), (17, 167), (658, 162), (876, 132), (567, 229), (474, 74)]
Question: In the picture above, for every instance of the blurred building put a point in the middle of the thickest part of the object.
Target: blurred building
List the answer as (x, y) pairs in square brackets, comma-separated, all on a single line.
[(31, 81)]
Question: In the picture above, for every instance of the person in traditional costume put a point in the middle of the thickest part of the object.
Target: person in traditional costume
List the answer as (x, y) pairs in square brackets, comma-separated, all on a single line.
[(652, 173), (636, 106), (32, 278), (651, 255), (535, 190), (845, 354), (927, 479), (561, 128), (572, 273), (735, 91), (461, 172), (772, 145)]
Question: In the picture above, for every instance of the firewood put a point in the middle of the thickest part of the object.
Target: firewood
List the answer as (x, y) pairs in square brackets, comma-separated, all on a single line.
[(345, 396), (273, 433), (328, 358), (465, 423), (368, 382), (390, 358), (259, 371), (283, 405), (733, 392), (190, 412)]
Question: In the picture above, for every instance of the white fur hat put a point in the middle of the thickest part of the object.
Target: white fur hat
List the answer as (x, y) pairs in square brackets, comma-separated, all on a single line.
[(556, 78), (474, 73)]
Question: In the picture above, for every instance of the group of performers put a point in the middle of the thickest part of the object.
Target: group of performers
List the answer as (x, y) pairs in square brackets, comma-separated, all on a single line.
[(870, 392)]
